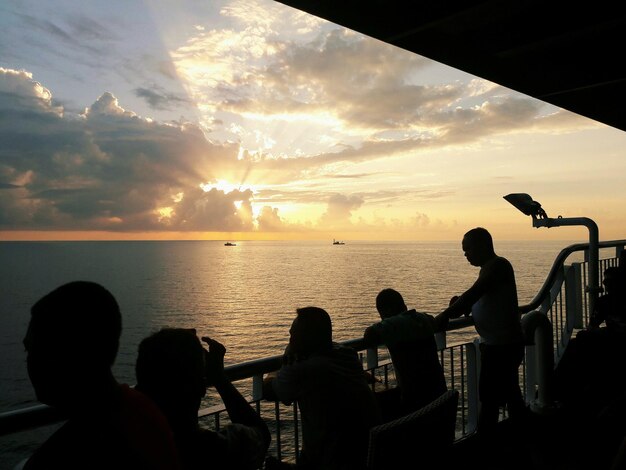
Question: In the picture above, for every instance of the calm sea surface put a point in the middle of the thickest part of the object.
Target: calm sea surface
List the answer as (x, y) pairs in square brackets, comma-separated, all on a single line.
[(245, 296)]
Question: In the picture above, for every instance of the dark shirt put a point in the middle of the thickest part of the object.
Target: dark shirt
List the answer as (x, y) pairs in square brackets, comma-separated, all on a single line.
[(128, 434), (409, 337), (337, 407), (235, 446)]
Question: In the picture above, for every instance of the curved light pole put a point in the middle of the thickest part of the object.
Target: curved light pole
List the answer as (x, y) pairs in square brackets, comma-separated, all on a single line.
[(524, 203), (538, 323)]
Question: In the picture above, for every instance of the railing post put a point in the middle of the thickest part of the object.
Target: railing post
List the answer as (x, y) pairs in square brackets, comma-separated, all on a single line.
[(278, 436), (440, 340), (574, 297), (538, 331), (473, 372), (257, 387), (371, 358), (530, 378), (296, 432)]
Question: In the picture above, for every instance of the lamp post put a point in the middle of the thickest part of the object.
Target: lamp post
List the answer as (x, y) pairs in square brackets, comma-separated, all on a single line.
[(524, 203)]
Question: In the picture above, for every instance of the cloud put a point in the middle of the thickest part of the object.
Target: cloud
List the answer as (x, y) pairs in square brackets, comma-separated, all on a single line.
[(365, 81), (21, 94), (57, 35), (373, 197), (157, 98), (351, 99), (339, 211), (106, 168), (268, 220), (348, 99), (213, 211), (107, 104)]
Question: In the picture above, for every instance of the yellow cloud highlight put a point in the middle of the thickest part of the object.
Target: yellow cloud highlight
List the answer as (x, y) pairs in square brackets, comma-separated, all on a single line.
[(226, 187), (164, 213)]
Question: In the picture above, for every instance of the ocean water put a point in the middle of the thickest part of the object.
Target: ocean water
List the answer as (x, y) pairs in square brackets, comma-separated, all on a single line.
[(244, 296)]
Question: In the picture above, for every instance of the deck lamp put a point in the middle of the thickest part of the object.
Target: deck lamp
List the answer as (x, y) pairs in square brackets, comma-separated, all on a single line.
[(525, 204)]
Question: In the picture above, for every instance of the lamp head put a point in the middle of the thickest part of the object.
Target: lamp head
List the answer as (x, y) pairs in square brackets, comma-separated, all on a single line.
[(525, 204)]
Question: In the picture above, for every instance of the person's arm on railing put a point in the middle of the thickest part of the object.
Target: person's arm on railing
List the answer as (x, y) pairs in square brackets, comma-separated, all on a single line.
[(462, 305), (372, 336), (283, 391), (238, 408)]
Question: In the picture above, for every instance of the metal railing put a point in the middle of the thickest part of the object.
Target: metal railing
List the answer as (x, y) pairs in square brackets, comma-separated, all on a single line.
[(563, 301)]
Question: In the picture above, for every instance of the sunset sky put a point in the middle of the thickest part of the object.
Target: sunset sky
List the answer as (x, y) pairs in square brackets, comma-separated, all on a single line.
[(247, 119)]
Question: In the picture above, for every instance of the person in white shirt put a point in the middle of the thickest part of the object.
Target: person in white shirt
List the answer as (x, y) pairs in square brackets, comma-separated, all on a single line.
[(492, 301)]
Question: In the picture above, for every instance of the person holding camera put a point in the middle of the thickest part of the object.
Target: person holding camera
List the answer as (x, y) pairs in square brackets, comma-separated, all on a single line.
[(327, 381), (174, 369)]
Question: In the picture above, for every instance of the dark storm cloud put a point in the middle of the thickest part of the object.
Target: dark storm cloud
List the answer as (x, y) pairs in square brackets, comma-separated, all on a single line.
[(106, 168)]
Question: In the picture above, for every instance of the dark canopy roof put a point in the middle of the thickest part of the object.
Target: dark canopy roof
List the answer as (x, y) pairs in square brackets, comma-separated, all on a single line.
[(569, 54)]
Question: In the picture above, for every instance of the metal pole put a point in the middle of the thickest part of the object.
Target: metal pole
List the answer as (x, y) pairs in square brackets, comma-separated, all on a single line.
[(593, 288)]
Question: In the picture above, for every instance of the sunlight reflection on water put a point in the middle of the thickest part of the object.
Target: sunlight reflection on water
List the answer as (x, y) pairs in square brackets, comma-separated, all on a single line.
[(244, 296)]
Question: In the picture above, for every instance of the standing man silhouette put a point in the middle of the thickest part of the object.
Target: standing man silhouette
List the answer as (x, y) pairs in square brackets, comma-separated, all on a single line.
[(492, 301)]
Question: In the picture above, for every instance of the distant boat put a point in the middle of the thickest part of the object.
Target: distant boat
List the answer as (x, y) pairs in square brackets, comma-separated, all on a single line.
[(337, 242), (230, 244)]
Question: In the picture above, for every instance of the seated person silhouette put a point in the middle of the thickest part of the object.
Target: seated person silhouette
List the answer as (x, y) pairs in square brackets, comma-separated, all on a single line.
[(327, 381), (610, 308), (174, 370), (71, 344), (591, 361), (409, 337)]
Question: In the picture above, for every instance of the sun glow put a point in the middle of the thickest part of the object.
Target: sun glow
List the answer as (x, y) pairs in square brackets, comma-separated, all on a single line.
[(164, 213), (226, 187)]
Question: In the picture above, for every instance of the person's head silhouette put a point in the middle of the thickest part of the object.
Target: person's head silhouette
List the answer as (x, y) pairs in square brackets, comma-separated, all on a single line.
[(389, 302), (71, 343), (170, 368), (478, 246), (310, 332), (612, 279)]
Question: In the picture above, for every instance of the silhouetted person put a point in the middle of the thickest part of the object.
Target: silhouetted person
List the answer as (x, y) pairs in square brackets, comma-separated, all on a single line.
[(409, 337), (174, 370), (492, 300), (610, 308), (327, 381), (590, 369), (71, 344)]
